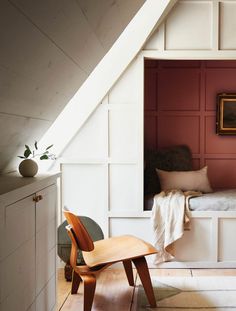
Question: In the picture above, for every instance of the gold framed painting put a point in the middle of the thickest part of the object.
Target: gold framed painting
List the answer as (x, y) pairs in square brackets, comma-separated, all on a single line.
[(226, 114)]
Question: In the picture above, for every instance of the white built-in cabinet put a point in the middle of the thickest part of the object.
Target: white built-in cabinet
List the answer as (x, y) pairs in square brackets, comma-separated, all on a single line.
[(28, 211)]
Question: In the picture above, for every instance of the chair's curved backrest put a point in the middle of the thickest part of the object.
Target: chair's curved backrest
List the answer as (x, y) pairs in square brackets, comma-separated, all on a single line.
[(83, 239), (74, 247)]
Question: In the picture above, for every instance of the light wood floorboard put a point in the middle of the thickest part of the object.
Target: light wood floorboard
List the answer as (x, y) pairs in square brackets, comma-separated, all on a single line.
[(113, 292), (170, 272), (63, 288), (214, 272)]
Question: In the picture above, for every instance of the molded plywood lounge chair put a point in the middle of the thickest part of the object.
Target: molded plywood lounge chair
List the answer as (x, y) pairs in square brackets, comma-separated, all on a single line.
[(101, 254)]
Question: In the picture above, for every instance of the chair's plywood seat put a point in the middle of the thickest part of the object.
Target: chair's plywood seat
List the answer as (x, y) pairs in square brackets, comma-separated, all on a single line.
[(117, 249)]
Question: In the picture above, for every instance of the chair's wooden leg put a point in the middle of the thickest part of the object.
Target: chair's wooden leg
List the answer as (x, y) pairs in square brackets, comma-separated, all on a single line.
[(142, 268), (89, 290), (129, 271), (76, 279)]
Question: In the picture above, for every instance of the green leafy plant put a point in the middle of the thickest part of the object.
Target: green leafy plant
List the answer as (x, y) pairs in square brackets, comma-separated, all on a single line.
[(30, 153)]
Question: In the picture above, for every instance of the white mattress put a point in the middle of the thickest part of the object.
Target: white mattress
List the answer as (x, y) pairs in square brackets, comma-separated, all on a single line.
[(215, 201)]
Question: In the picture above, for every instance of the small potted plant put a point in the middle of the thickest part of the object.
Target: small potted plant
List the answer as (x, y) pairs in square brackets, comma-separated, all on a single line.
[(28, 167)]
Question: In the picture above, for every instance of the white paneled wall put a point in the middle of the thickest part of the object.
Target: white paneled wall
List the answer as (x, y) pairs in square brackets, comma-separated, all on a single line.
[(139, 227), (110, 170), (123, 127), (179, 36), (101, 166), (196, 29), (123, 187), (85, 190), (228, 25), (227, 229), (91, 141)]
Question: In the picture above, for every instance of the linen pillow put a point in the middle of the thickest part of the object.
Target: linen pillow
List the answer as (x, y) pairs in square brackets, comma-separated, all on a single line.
[(186, 181)]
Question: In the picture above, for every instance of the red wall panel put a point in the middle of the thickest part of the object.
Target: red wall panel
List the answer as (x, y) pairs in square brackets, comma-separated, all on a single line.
[(222, 173), (150, 85), (219, 80), (180, 108), (150, 133), (174, 130), (215, 143), (177, 96)]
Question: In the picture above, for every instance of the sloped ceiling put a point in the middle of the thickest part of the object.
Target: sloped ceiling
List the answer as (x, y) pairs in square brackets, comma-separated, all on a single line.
[(48, 49)]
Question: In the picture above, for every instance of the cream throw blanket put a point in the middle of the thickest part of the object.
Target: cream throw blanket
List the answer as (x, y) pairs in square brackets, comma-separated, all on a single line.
[(169, 220)]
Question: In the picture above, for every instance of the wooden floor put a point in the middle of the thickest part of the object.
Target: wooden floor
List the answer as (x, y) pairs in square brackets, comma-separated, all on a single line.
[(114, 293)]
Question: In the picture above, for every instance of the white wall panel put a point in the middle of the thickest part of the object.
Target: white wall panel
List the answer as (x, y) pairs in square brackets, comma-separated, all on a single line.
[(46, 299), (91, 141), (155, 42), (140, 227), (124, 193), (227, 246), (125, 91), (189, 26), (123, 132), (227, 25), (199, 238), (84, 190)]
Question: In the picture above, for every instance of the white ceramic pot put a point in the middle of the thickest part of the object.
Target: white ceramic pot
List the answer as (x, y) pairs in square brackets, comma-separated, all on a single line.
[(28, 168)]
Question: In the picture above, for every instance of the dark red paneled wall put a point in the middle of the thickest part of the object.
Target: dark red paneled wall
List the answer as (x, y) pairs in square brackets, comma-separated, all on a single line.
[(180, 108)]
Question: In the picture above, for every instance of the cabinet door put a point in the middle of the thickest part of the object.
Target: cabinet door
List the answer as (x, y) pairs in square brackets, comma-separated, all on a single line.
[(46, 211), (18, 266), (46, 300)]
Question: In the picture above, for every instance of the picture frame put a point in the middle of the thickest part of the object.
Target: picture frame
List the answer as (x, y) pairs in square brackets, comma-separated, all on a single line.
[(226, 114)]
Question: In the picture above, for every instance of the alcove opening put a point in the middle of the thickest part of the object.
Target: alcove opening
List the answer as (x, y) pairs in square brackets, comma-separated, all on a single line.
[(180, 109)]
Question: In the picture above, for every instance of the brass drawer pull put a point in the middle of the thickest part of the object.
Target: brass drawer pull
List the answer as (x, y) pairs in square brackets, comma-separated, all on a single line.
[(38, 198)]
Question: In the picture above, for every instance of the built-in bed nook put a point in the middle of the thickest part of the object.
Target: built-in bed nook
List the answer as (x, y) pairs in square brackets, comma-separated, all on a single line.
[(180, 106)]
